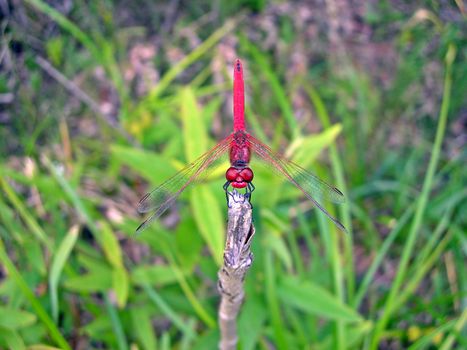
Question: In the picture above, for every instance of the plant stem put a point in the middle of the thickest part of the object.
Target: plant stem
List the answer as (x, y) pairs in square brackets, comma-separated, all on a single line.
[(237, 261)]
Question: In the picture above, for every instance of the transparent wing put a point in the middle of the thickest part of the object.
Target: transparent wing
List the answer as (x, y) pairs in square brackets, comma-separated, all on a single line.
[(162, 197), (312, 187)]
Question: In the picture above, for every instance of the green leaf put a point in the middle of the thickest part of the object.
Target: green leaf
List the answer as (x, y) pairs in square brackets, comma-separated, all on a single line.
[(307, 148), (207, 340), (17, 277), (314, 299), (151, 166), (54, 48), (194, 133), (188, 246), (168, 311), (270, 283), (34, 253), (14, 319), (100, 325), (59, 260), (110, 245), (11, 339), (251, 323), (143, 328), (120, 285), (70, 192), (205, 207), (356, 332), (93, 264), (116, 323), (90, 283), (209, 220), (154, 275), (278, 246), (165, 341), (21, 209)]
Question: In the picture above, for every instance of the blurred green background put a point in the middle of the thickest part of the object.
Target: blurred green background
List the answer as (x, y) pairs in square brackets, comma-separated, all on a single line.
[(100, 101)]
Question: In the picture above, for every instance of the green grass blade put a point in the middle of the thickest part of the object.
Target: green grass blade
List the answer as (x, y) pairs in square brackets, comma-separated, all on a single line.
[(165, 341), (273, 303), (110, 245), (331, 238), (103, 53), (251, 322), (30, 221), (11, 338), (206, 209), (29, 295), (116, 324), (67, 25), (338, 171), (458, 327), (382, 251), (60, 257), (187, 340), (15, 319), (314, 299), (143, 328), (427, 340), (167, 310), (209, 220), (113, 253), (275, 85), (196, 304), (421, 204), (71, 193), (421, 271), (192, 57), (120, 285), (195, 137)]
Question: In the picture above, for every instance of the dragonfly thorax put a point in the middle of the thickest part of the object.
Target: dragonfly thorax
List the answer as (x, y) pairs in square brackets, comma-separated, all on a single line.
[(239, 153)]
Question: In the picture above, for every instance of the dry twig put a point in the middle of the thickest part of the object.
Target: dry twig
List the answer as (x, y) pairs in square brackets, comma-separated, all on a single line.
[(237, 260)]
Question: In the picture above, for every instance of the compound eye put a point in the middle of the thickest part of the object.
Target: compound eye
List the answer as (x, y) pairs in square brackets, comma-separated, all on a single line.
[(231, 174), (247, 174)]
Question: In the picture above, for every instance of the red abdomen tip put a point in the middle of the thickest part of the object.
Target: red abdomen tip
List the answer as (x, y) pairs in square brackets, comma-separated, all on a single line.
[(238, 65)]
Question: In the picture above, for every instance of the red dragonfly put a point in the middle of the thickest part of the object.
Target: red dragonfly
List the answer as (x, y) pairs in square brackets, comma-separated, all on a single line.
[(239, 145)]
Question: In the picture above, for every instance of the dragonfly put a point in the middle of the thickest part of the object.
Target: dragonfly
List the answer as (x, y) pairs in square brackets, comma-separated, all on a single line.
[(239, 146)]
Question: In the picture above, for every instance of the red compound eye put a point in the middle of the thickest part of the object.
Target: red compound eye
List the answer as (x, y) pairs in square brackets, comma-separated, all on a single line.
[(238, 176), (247, 174), (231, 174)]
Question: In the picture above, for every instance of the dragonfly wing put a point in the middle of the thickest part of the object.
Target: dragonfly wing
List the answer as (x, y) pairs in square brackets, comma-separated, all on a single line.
[(168, 203), (311, 186), (308, 182), (162, 197)]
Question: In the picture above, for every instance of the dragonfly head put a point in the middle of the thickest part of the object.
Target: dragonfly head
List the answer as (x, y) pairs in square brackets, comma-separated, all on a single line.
[(239, 177)]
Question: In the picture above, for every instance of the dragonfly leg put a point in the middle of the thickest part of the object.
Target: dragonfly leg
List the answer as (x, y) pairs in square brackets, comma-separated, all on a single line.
[(249, 190), (227, 193)]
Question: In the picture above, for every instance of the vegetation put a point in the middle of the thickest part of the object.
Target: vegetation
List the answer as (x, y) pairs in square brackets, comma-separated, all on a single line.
[(103, 100)]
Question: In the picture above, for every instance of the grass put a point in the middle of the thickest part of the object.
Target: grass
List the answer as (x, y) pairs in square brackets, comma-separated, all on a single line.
[(384, 130)]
